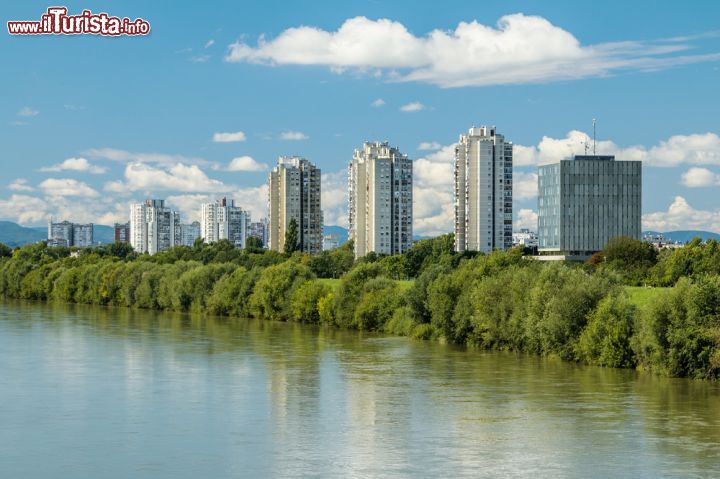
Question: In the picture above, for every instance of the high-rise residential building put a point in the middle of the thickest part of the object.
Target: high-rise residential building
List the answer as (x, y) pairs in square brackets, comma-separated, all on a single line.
[(223, 220), (152, 226), (483, 191), (258, 229), (187, 233), (585, 201), (67, 233), (294, 193), (83, 235), (380, 199), (122, 232)]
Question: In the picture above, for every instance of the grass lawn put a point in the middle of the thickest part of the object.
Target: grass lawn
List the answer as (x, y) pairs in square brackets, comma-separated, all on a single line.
[(333, 283), (642, 296)]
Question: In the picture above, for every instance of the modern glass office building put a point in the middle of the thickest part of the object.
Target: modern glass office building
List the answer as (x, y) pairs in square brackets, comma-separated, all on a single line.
[(585, 201)]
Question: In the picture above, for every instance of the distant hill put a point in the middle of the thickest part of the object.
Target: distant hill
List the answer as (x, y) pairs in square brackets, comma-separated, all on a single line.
[(12, 234), (339, 231), (685, 235)]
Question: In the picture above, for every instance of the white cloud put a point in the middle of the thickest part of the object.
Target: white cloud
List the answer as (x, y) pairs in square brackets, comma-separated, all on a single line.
[(75, 164), (20, 184), (26, 111), (518, 49), (526, 218), (412, 107), (335, 198), (210, 43), (699, 178), (253, 199), (200, 58), (56, 187), (378, 103), (293, 135), (525, 185), (229, 137), (178, 177), (695, 149), (189, 205), (431, 145), (433, 196), (681, 216), (124, 156), (24, 209), (246, 163)]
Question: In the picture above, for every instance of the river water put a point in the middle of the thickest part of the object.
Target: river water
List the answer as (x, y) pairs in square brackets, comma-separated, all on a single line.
[(89, 392)]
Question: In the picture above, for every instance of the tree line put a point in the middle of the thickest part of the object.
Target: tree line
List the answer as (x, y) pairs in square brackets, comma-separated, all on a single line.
[(578, 312)]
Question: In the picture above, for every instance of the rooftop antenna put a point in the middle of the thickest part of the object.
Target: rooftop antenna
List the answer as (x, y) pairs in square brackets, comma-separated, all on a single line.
[(594, 121)]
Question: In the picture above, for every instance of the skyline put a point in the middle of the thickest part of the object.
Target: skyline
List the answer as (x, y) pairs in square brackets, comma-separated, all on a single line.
[(154, 119)]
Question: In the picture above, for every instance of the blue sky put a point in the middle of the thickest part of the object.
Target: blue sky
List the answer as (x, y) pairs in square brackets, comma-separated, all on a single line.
[(137, 116)]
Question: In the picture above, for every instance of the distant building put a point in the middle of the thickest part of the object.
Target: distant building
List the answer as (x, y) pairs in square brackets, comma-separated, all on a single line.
[(67, 233), (258, 229), (483, 191), (223, 220), (152, 226), (526, 238), (585, 201), (122, 232), (380, 192), (330, 242), (294, 193), (186, 234)]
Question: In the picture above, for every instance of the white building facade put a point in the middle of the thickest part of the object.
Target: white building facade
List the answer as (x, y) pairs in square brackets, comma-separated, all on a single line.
[(223, 220), (152, 226), (483, 191), (380, 199), (294, 193)]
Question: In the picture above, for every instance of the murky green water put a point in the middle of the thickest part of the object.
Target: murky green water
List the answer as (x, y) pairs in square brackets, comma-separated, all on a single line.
[(111, 393)]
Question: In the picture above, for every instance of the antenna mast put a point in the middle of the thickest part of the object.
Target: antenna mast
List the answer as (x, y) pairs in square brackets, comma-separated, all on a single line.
[(594, 136)]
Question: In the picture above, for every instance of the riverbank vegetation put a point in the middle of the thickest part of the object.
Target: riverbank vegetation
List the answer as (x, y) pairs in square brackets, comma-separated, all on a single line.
[(629, 306)]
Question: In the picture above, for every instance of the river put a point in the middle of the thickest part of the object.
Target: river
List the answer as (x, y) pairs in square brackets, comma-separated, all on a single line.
[(90, 392)]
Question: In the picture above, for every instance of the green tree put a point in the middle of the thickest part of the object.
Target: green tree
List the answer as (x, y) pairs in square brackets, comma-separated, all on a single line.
[(253, 245), (5, 251), (292, 238)]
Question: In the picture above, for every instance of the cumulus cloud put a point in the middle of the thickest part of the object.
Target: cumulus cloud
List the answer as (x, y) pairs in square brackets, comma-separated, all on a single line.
[(178, 177), (26, 111), (335, 198), (681, 216), (526, 218), (20, 184), (56, 187), (433, 195), (412, 107), (699, 178), (75, 164), (246, 163), (378, 103), (34, 210), (429, 145), (229, 137), (695, 149), (518, 49), (293, 136), (24, 209), (525, 185), (124, 156), (209, 43)]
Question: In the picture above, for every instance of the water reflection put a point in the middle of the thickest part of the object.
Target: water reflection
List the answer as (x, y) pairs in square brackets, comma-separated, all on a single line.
[(100, 392)]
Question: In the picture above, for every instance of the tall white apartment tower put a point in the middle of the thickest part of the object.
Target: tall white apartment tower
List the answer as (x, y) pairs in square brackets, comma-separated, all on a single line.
[(483, 191), (295, 193), (224, 220), (152, 226), (380, 199)]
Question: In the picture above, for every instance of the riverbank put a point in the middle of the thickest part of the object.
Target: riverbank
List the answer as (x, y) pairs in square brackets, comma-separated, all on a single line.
[(499, 301)]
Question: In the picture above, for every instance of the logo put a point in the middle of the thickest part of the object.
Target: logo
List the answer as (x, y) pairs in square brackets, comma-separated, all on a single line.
[(56, 21)]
